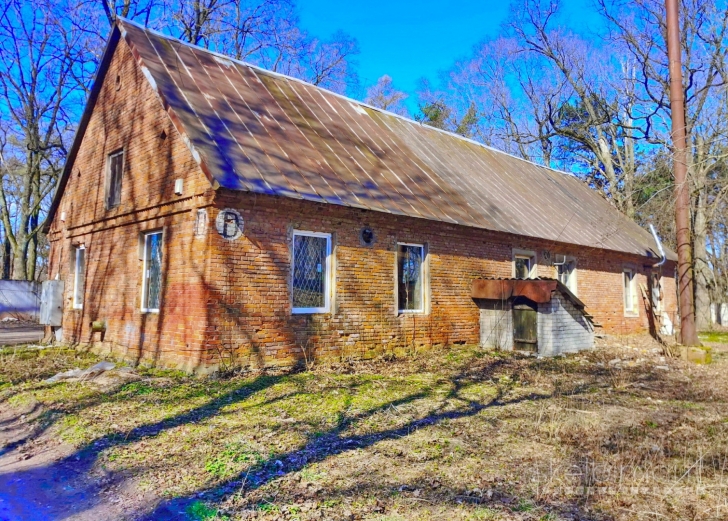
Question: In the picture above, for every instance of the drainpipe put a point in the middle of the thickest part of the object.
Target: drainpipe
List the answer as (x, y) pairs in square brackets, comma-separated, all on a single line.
[(663, 257)]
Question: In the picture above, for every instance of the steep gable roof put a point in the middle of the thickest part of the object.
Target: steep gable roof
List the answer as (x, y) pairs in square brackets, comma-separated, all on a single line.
[(254, 130)]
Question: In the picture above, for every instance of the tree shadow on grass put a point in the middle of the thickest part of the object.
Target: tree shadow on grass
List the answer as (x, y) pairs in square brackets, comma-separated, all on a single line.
[(335, 441), (66, 487), (338, 439)]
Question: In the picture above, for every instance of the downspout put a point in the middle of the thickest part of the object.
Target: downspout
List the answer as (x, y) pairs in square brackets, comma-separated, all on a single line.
[(663, 257)]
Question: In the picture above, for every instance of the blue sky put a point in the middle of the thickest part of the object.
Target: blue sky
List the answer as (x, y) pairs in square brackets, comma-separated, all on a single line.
[(409, 40)]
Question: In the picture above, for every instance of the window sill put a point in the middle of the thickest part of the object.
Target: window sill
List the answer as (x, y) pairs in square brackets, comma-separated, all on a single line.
[(150, 311), (309, 311), (411, 312), (631, 314)]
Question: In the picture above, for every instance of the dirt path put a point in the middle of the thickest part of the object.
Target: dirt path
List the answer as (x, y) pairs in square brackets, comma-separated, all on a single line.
[(42, 479), (12, 334)]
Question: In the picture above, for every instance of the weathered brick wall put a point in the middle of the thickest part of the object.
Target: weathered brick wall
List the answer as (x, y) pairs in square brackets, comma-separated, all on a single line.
[(562, 328), (132, 117), (251, 277)]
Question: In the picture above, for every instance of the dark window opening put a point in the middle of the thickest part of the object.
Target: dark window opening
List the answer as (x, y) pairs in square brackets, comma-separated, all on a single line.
[(113, 183), (523, 267), (79, 275), (409, 277)]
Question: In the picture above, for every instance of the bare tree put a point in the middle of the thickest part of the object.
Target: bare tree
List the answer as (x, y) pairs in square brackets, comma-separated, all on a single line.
[(266, 33), (639, 28), (385, 96), (43, 56), (599, 106)]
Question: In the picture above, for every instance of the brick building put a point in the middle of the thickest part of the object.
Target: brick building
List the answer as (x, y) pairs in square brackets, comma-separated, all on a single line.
[(212, 209)]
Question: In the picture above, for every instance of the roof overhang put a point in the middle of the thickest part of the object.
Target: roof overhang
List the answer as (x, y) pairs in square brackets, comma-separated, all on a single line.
[(536, 290)]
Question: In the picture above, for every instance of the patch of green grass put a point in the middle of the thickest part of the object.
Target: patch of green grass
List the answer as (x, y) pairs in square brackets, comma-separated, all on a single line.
[(523, 506), (268, 507), (310, 473), (548, 517), (715, 337), (486, 514), (234, 457), (72, 429), (138, 388), (199, 511)]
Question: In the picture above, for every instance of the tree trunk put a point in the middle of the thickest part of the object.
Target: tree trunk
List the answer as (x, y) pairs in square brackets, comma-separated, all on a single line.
[(20, 255), (701, 267), (32, 248), (7, 258)]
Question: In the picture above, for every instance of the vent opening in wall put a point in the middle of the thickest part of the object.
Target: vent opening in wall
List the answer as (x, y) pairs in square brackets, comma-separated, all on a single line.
[(117, 82), (162, 135), (366, 236)]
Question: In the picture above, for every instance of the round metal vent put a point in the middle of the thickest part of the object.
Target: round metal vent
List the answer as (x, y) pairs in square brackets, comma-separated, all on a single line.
[(366, 236)]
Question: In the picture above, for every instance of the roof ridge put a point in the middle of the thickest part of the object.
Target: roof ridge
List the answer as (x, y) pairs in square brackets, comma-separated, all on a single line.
[(341, 96)]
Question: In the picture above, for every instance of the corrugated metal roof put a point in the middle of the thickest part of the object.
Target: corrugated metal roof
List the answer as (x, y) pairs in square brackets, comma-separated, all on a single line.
[(263, 132)]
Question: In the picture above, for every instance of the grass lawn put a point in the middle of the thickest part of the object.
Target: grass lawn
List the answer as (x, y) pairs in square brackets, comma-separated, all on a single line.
[(619, 433), (719, 337)]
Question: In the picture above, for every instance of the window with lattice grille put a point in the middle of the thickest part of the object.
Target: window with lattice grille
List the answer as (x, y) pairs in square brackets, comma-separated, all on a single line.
[(311, 272)]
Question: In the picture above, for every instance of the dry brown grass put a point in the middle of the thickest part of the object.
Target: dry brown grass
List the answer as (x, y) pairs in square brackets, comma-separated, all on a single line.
[(456, 434)]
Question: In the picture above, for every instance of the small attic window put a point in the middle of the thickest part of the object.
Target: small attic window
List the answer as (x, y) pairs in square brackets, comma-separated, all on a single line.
[(114, 172), (117, 82), (162, 135)]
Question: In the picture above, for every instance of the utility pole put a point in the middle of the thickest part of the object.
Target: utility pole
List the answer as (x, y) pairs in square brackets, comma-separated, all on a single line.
[(688, 335)]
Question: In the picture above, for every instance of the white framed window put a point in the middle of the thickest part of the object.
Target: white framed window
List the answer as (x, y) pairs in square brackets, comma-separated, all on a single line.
[(524, 264), (152, 272), (114, 174), (630, 293), (311, 272), (410, 278), (566, 271), (79, 275)]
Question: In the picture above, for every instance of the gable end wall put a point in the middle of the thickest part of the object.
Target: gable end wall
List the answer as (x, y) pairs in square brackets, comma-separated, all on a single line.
[(132, 118)]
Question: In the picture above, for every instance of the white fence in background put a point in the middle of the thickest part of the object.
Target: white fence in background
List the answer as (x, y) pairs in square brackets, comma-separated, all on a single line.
[(19, 299)]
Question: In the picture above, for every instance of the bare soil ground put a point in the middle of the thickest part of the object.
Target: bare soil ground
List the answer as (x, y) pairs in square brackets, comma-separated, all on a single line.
[(619, 433)]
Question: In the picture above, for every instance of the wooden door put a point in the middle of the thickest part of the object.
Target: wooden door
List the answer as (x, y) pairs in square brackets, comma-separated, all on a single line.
[(525, 325)]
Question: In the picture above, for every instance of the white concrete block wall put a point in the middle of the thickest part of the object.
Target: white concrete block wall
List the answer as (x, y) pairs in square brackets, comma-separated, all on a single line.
[(562, 328)]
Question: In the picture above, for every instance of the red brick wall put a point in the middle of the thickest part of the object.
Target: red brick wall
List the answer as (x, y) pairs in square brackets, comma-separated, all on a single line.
[(132, 117), (251, 307), (223, 298)]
